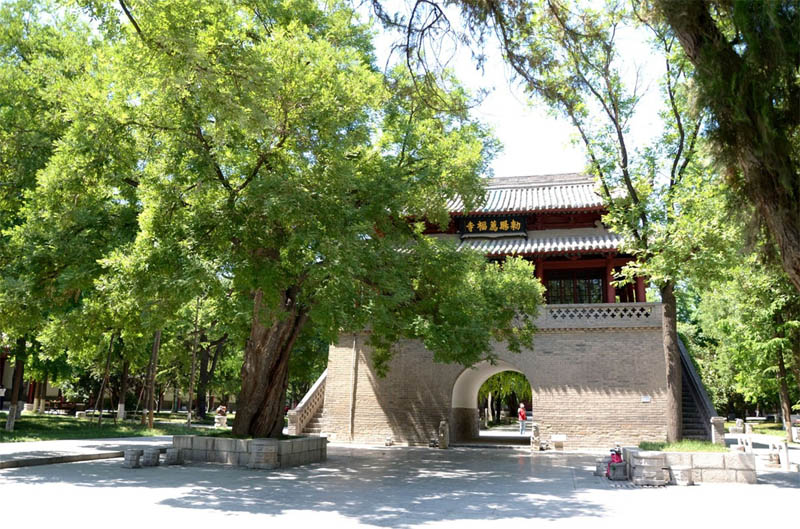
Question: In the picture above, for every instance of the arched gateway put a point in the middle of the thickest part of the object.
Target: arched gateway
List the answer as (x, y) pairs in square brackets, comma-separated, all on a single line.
[(596, 370)]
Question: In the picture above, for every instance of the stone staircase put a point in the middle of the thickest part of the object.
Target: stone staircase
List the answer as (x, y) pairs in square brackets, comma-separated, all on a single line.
[(314, 426), (696, 405), (693, 426)]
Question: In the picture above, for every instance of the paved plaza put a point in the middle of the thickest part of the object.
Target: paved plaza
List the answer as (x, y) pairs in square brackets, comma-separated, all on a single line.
[(382, 487)]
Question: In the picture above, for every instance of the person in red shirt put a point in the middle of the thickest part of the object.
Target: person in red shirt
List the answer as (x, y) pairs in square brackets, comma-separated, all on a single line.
[(522, 418)]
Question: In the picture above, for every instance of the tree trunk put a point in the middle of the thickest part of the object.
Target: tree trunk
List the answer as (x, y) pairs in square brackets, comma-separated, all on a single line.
[(43, 396), (19, 367), (206, 372), (783, 392), (194, 362), (672, 361), (104, 383), (202, 382), (796, 359), (265, 370), (152, 382), (123, 390)]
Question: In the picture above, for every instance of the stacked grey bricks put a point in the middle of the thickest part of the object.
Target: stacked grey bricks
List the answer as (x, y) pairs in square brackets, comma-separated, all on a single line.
[(152, 457), (132, 458)]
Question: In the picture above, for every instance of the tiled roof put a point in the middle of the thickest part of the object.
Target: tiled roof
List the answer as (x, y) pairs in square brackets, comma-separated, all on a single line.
[(566, 192), (579, 240)]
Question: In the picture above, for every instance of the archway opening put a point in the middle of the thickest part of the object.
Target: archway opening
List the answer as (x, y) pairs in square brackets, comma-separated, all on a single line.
[(503, 399), (468, 416)]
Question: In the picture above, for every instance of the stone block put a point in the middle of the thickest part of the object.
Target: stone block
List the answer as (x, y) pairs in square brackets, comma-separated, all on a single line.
[(182, 441), (746, 476), (718, 475), (650, 473), (680, 475), (174, 456), (199, 455), (241, 445), (285, 447), (203, 443), (697, 475), (740, 461), (243, 459), (673, 459), (648, 459), (708, 460), (227, 445)]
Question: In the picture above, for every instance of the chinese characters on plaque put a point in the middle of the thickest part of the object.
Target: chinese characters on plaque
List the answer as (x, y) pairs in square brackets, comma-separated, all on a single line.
[(491, 226)]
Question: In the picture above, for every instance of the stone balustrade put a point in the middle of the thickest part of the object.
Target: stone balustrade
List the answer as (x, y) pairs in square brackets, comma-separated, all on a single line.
[(600, 316), (300, 416)]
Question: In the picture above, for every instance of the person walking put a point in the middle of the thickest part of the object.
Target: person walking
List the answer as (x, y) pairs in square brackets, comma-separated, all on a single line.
[(522, 416)]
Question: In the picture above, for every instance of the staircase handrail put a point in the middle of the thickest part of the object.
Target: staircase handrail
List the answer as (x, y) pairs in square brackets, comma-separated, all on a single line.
[(704, 406), (301, 415)]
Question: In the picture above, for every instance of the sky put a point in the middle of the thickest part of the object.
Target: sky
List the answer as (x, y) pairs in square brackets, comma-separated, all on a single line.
[(535, 142)]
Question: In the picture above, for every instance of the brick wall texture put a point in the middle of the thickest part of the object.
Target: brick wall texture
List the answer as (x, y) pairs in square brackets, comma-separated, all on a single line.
[(588, 384)]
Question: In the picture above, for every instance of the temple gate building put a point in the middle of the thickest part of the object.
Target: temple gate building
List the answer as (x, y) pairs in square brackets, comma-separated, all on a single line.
[(596, 370)]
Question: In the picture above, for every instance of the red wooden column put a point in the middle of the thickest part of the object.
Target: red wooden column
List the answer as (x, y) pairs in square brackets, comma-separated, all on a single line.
[(641, 295), (539, 269), (610, 290)]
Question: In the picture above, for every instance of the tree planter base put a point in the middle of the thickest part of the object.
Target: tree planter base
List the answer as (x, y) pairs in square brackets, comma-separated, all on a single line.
[(264, 454)]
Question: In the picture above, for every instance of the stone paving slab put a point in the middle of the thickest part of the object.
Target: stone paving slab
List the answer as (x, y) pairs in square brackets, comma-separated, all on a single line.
[(35, 453), (392, 487)]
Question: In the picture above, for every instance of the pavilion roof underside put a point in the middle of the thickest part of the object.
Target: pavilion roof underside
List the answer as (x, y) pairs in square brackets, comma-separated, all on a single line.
[(530, 196), (548, 243)]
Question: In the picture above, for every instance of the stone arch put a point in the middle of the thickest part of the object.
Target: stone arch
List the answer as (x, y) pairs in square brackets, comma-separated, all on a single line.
[(464, 415)]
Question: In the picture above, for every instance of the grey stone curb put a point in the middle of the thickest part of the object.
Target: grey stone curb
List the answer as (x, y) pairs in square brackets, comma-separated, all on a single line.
[(54, 460)]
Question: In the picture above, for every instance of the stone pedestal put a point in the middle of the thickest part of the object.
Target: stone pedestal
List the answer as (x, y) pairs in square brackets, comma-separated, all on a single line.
[(718, 430), (220, 421), (536, 441), (444, 434), (748, 428)]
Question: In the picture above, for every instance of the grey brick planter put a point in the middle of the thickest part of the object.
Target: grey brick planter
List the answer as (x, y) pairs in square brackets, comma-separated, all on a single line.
[(263, 454)]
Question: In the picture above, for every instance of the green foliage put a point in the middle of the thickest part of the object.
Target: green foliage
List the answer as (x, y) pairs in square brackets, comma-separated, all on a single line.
[(502, 385), (686, 445), (54, 427), (189, 155), (751, 317)]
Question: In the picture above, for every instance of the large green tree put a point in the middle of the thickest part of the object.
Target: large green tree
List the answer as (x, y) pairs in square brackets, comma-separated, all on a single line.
[(259, 137)]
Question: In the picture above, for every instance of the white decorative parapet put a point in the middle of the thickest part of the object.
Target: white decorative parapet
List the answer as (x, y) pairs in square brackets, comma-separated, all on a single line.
[(600, 315), (300, 416)]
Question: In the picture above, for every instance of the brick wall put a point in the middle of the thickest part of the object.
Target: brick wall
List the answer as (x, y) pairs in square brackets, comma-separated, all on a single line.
[(587, 384)]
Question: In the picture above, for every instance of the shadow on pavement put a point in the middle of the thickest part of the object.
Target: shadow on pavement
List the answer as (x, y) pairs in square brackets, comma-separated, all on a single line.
[(395, 487)]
